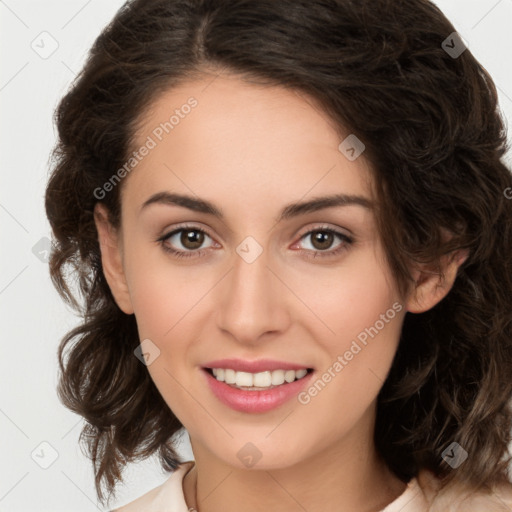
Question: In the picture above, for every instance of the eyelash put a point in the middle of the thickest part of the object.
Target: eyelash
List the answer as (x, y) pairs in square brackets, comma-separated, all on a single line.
[(346, 241)]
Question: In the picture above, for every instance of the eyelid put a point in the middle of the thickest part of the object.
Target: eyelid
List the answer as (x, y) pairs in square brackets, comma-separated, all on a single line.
[(181, 227), (327, 227)]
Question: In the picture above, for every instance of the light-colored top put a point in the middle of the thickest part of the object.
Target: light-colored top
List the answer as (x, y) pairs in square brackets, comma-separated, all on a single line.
[(421, 495)]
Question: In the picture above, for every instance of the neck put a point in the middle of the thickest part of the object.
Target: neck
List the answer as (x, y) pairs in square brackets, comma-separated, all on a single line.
[(349, 475)]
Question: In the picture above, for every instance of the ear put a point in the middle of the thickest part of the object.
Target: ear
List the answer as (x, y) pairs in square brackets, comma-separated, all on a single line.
[(111, 258), (431, 287)]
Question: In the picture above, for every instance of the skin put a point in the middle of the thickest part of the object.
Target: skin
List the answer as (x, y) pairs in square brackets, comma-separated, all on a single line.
[(251, 150)]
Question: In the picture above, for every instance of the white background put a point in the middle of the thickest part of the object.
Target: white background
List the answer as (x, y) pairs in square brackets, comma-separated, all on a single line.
[(33, 317)]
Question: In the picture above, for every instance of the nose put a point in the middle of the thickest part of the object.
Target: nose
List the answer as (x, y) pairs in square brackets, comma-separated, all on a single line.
[(253, 301)]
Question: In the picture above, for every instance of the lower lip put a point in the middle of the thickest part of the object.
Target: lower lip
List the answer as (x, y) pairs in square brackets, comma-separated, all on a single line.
[(255, 401)]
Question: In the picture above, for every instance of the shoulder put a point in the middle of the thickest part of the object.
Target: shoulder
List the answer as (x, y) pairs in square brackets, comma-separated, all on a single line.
[(142, 502), (166, 497), (456, 498)]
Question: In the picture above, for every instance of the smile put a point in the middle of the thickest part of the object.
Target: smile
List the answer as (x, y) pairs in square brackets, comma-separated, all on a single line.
[(256, 392)]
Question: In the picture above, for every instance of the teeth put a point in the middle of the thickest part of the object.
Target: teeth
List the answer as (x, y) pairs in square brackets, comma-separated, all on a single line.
[(229, 376), (260, 380), (242, 378), (257, 380)]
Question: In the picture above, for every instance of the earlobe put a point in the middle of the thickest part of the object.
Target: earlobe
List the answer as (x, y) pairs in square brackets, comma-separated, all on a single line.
[(431, 287), (111, 259)]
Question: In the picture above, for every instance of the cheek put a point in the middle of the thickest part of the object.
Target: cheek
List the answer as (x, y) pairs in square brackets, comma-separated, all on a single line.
[(351, 298), (163, 299), (364, 314), (161, 292)]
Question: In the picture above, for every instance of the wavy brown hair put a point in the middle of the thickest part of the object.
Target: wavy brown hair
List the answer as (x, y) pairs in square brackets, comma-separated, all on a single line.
[(435, 140)]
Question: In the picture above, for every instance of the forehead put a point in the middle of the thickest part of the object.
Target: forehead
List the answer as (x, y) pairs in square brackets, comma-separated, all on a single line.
[(220, 135)]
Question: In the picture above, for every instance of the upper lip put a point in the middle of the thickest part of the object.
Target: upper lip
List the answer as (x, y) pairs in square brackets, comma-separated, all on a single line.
[(261, 365)]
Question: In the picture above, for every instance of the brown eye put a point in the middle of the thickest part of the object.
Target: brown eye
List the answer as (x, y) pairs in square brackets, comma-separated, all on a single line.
[(186, 241), (322, 243), (322, 240), (191, 238)]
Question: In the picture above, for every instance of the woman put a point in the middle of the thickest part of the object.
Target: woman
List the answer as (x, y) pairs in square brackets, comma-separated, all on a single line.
[(290, 228)]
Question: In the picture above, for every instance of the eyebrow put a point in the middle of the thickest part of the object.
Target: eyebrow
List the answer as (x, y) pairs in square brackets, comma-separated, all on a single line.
[(289, 211)]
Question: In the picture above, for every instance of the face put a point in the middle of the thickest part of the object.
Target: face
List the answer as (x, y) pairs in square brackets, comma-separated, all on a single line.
[(254, 279)]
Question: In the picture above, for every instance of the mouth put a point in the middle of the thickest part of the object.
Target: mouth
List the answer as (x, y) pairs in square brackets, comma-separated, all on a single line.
[(258, 392)]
